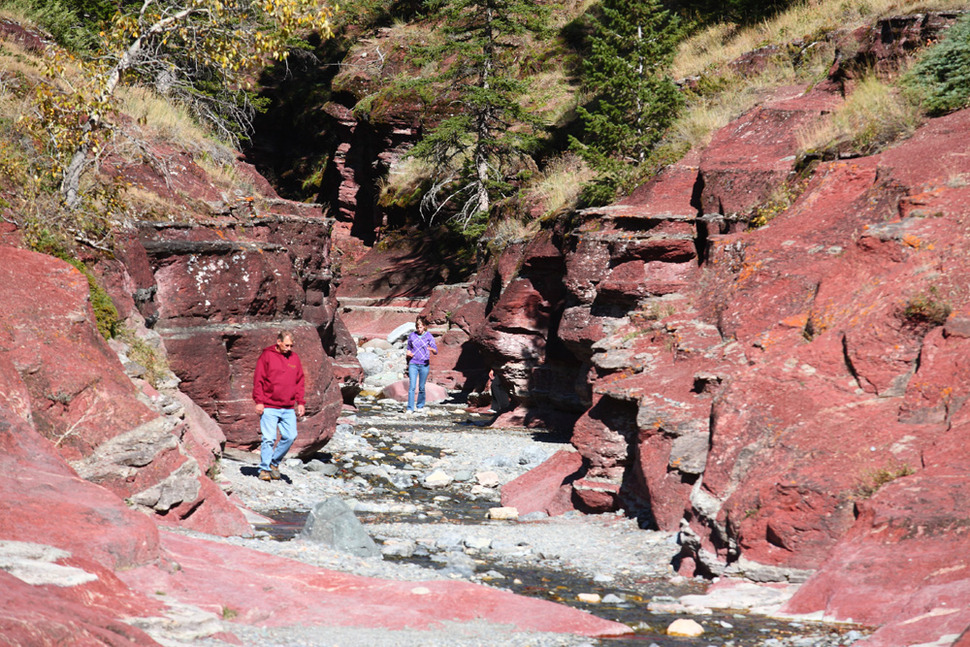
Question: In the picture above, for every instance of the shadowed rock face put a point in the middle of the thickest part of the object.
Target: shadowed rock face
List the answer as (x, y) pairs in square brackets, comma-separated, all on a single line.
[(517, 330)]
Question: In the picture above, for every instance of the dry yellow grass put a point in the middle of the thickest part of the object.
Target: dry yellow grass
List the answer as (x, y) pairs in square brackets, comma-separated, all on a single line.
[(215, 161), (874, 115), (719, 44), (558, 186), (152, 118), (159, 116), (15, 61), (566, 11), (151, 206), (511, 230), (707, 112), (551, 96), (402, 183)]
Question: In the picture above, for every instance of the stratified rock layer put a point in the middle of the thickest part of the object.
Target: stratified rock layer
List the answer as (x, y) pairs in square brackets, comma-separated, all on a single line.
[(220, 293)]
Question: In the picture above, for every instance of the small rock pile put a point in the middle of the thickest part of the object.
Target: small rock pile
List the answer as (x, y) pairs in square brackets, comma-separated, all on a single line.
[(383, 360)]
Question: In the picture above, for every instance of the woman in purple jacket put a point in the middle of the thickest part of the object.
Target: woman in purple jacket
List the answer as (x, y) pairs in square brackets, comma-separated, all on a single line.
[(419, 349)]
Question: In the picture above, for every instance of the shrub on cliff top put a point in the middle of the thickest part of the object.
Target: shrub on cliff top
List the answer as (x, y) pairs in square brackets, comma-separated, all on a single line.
[(72, 23), (873, 480), (927, 308), (147, 355), (941, 77)]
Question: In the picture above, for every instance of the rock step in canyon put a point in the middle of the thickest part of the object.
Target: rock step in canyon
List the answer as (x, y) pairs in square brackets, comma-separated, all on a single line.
[(373, 317)]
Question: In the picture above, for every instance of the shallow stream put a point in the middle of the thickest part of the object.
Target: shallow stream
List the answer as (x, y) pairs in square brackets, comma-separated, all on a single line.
[(622, 600)]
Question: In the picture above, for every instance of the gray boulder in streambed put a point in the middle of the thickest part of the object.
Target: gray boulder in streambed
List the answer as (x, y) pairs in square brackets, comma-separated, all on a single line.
[(333, 523)]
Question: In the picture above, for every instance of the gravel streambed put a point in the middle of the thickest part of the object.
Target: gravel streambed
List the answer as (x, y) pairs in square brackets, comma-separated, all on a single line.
[(422, 487)]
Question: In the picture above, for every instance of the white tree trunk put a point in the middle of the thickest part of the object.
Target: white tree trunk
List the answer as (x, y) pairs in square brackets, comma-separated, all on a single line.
[(71, 180)]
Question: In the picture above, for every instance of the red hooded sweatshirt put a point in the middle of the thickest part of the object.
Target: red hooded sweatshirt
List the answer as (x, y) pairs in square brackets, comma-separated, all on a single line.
[(278, 380)]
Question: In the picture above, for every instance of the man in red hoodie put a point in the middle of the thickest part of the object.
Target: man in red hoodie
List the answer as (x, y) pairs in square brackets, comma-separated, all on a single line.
[(277, 389)]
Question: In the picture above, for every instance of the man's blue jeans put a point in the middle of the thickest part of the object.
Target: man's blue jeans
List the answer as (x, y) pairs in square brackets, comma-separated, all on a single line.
[(417, 376), (285, 420)]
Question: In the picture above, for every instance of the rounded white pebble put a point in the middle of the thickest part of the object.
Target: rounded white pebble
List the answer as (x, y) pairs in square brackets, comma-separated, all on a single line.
[(685, 627)]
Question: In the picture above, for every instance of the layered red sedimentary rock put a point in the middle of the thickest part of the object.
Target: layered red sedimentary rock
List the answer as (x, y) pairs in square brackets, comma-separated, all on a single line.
[(74, 392), (781, 394)]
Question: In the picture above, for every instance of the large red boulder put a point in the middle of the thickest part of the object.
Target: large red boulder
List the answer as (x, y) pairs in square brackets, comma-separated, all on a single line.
[(799, 356), (433, 393), (546, 488), (223, 384), (514, 338), (850, 352), (222, 293), (69, 537)]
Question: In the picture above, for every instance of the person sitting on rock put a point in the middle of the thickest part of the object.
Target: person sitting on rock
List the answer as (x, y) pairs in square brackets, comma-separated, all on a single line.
[(419, 348), (277, 389)]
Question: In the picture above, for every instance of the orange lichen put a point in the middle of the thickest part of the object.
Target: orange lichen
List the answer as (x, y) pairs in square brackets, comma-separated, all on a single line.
[(912, 241), (748, 270), (795, 321)]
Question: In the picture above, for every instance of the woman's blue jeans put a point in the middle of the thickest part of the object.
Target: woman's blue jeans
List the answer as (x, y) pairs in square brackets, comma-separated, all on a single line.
[(417, 376), (285, 420)]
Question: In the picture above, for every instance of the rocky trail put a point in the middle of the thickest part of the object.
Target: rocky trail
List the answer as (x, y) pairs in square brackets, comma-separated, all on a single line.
[(422, 487)]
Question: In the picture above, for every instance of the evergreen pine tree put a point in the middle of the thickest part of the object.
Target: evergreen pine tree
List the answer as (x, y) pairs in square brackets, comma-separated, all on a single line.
[(474, 149), (941, 76), (632, 45)]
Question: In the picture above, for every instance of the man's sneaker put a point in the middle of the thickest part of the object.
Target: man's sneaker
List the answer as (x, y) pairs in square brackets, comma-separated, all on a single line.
[(409, 412), (265, 476), (274, 473)]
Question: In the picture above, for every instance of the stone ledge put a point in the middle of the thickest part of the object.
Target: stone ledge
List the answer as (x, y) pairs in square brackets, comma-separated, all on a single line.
[(184, 247), (616, 211)]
